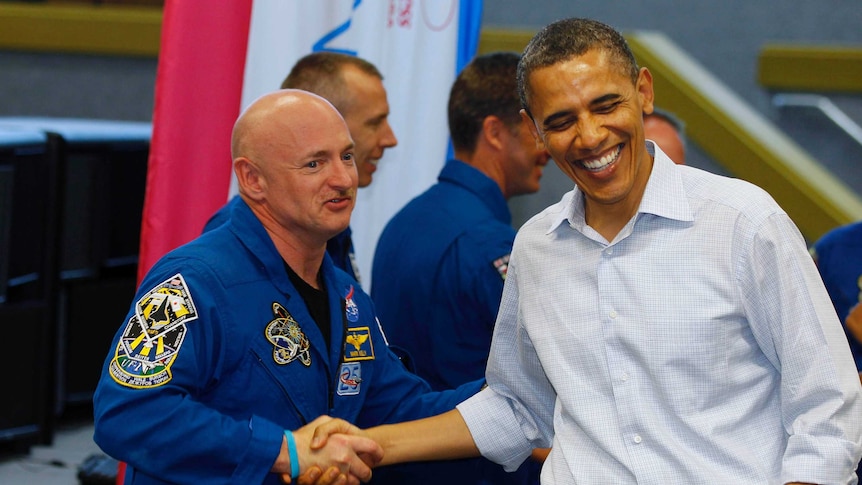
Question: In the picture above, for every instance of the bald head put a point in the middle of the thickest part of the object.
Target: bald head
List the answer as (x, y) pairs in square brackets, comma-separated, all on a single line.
[(667, 131), (294, 163), (271, 122)]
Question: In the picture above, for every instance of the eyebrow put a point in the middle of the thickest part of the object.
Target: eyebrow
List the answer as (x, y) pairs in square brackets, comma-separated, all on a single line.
[(377, 119), (604, 99), (324, 153), (317, 154)]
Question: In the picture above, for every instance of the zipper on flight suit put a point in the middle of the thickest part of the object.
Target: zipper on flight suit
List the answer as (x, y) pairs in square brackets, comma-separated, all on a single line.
[(337, 372)]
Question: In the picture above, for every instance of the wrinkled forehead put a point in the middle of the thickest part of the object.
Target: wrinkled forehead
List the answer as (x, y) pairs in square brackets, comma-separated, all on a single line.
[(299, 130), (602, 60), (592, 74)]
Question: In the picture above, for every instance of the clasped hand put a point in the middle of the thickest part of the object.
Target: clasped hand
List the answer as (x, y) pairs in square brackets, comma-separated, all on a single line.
[(338, 447)]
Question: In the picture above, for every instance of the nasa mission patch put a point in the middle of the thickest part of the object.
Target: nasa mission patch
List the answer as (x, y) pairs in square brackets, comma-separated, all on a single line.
[(153, 336)]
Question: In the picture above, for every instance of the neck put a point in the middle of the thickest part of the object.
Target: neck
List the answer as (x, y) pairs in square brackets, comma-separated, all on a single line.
[(306, 268), (304, 255), (488, 164), (609, 219)]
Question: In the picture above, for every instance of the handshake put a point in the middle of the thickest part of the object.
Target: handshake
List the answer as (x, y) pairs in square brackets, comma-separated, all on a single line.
[(330, 451), (327, 451)]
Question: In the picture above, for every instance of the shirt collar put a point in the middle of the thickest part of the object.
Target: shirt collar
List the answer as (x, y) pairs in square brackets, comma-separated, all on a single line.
[(664, 196), (473, 180)]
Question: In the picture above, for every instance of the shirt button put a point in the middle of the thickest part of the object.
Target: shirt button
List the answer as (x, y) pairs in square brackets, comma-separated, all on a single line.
[(624, 377), (638, 439), (609, 251), (613, 314)]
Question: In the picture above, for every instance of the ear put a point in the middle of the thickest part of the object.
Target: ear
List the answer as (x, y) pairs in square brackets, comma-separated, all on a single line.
[(645, 90), (249, 178), (493, 130), (527, 121)]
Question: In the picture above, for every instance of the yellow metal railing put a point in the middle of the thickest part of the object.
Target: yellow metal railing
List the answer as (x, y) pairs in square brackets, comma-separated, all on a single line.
[(810, 68), (81, 29), (743, 141)]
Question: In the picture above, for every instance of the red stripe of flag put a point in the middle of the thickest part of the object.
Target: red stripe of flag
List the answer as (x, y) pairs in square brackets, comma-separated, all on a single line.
[(197, 99)]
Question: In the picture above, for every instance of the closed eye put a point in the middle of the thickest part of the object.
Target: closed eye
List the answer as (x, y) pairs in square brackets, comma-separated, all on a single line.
[(607, 108), (558, 123)]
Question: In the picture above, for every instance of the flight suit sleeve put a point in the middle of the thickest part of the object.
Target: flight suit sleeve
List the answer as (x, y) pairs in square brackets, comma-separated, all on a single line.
[(149, 404)]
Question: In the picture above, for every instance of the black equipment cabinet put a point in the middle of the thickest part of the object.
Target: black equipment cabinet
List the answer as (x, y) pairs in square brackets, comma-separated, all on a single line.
[(29, 211), (104, 166)]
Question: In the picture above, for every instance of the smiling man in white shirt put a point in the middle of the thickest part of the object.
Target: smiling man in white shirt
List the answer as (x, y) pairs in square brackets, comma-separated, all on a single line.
[(660, 324)]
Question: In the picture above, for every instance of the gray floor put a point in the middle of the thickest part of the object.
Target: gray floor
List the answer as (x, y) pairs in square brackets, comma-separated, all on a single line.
[(51, 465)]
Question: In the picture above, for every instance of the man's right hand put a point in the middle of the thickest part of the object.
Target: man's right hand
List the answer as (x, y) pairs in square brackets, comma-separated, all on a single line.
[(346, 454)]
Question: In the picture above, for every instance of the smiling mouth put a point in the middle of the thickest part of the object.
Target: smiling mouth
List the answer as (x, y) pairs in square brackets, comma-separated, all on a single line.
[(603, 162), (339, 199)]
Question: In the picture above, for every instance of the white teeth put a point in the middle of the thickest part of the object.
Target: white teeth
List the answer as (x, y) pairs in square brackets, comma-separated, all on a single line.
[(601, 163)]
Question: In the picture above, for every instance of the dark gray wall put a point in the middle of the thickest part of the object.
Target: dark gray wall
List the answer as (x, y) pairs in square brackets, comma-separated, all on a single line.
[(76, 86)]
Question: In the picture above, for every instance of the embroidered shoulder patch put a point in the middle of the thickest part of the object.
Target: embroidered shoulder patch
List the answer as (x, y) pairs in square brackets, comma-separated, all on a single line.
[(153, 336), (288, 339), (501, 264), (351, 311)]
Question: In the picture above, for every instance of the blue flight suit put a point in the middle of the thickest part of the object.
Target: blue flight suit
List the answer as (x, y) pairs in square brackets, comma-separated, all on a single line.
[(340, 247), (437, 279), (839, 259), (219, 355)]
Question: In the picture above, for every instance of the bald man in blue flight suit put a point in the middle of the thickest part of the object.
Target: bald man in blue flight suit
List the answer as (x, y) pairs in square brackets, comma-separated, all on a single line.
[(238, 340), (355, 87), (441, 261)]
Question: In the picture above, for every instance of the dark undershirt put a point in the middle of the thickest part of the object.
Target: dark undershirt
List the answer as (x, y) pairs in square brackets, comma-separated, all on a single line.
[(316, 301)]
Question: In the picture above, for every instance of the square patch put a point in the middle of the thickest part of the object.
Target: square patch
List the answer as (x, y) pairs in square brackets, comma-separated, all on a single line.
[(349, 379)]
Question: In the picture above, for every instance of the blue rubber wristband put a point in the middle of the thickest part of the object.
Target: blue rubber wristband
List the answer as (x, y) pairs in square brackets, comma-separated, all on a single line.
[(294, 457)]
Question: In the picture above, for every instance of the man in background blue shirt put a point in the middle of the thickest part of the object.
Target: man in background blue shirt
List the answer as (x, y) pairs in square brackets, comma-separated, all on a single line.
[(441, 261), (838, 255)]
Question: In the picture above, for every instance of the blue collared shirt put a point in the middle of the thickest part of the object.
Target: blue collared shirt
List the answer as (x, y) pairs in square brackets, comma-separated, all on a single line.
[(839, 258), (436, 284), (437, 278), (698, 345)]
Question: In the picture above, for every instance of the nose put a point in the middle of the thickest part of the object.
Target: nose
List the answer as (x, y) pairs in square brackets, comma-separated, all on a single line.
[(544, 156), (388, 140), (590, 133), (343, 176)]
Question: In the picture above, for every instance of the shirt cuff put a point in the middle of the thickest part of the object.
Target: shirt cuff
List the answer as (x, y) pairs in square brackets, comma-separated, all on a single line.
[(260, 454), (496, 433), (814, 459)]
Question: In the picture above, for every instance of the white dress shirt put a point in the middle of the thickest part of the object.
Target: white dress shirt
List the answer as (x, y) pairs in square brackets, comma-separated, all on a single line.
[(699, 346)]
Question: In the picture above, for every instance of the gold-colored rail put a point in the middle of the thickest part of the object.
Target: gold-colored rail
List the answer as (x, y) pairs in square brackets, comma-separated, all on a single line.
[(810, 68)]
